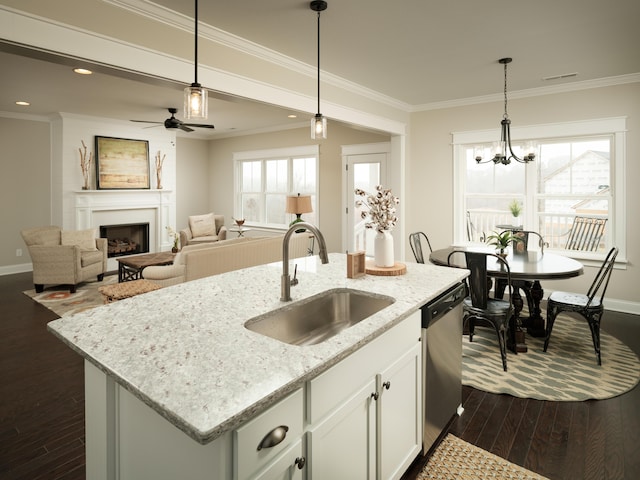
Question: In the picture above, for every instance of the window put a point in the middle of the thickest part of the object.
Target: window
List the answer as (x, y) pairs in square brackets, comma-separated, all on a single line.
[(578, 172), (265, 178)]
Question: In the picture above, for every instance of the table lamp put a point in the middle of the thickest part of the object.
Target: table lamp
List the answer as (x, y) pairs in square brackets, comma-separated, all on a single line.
[(298, 204)]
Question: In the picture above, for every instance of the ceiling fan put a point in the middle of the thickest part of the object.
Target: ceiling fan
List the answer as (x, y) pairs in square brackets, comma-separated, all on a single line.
[(173, 122)]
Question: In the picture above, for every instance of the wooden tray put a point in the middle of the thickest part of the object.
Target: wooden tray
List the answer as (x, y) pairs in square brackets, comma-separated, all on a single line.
[(397, 269)]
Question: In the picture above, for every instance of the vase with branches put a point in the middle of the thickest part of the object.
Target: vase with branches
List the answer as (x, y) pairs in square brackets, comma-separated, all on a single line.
[(85, 164), (159, 163)]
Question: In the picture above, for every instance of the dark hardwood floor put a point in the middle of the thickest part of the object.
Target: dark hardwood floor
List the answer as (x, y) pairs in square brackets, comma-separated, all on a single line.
[(42, 412), (596, 439)]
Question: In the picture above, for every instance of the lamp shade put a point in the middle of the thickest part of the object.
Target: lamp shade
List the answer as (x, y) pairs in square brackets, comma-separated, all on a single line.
[(299, 204)]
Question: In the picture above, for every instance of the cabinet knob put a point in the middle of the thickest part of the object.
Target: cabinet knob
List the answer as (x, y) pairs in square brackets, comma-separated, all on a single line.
[(274, 437), (375, 395), (300, 462), (387, 384)]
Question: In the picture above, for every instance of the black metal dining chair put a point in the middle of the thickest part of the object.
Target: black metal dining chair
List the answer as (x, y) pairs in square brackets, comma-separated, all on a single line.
[(415, 240), (479, 307), (589, 306)]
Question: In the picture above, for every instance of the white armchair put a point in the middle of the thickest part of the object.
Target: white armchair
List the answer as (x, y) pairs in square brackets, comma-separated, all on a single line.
[(203, 229), (62, 257)]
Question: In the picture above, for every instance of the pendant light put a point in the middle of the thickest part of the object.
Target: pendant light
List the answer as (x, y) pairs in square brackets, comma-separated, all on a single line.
[(503, 152), (195, 95), (319, 122)]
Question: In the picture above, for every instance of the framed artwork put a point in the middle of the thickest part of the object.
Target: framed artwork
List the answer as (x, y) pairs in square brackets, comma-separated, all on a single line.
[(122, 164)]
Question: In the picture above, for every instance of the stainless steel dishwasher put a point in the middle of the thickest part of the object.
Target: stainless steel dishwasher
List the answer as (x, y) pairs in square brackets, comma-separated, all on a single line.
[(441, 362)]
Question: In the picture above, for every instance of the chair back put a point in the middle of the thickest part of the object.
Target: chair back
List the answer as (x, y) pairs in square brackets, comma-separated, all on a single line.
[(585, 234), (527, 236), (416, 245), (479, 281), (601, 281)]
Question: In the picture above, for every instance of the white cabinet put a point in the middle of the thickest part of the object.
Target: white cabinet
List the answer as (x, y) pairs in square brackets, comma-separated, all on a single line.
[(400, 414), (373, 431), (343, 444), (288, 466)]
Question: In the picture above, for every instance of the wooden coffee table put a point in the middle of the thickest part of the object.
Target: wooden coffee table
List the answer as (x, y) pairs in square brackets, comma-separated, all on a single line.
[(131, 267)]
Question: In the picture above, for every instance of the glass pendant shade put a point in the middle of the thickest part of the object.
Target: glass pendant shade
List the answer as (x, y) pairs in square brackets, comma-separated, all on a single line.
[(196, 102), (319, 127)]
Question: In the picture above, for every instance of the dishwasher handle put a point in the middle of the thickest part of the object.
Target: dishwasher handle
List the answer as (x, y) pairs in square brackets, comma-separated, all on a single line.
[(443, 304)]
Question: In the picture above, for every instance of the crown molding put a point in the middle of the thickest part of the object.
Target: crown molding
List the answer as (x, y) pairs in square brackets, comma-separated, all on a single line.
[(532, 92)]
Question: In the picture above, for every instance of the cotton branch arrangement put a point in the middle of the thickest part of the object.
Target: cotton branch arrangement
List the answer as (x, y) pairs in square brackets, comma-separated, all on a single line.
[(381, 208), (159, 162), (85, 164)]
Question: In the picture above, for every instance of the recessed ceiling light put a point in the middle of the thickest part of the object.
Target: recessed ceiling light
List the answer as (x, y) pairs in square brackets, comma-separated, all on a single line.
[(292, 116), (22, 103), (82, 71)]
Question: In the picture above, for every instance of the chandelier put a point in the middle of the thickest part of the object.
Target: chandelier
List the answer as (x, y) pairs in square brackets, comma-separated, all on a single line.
[(195, 95), (319, 122), (503, 152)]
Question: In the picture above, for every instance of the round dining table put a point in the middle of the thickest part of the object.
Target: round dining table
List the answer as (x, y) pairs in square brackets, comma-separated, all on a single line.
[(528, 269)]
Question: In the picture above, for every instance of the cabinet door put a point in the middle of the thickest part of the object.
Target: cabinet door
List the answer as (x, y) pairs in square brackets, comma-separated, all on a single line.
[(400, 417), (289, 466), (343, 445)]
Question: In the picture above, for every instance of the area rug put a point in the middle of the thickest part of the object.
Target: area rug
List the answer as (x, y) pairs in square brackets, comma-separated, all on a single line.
[(568, 371), (61, 302), (456, 459)]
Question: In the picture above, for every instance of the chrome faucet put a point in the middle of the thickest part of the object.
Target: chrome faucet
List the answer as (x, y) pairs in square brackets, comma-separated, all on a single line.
[(286, 282)]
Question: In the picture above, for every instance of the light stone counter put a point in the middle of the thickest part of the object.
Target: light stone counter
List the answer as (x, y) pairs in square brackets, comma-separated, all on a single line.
[(184, 351)]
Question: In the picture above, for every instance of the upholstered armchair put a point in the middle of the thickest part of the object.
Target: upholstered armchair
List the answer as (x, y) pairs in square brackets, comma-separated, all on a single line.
[(65, 257), (203, 229)]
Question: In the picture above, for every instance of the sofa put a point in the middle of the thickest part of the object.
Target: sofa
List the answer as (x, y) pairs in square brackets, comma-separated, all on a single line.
[(205, 228), (204, 260), (65, 257)]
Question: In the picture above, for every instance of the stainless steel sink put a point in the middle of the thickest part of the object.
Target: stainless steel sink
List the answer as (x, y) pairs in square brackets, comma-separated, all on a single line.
[(316, 319)]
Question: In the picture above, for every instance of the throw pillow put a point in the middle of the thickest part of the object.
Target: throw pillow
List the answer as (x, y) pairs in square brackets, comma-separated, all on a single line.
[(85, 239), (202, 225)]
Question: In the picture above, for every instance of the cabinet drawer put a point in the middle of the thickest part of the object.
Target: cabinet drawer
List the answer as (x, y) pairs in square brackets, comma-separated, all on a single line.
[(286, 414)]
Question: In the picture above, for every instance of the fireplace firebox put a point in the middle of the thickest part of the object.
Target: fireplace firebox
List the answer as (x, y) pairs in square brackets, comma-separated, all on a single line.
[(126, 239)]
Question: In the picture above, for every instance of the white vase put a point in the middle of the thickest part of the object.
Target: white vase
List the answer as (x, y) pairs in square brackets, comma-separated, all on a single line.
[(383, 249)]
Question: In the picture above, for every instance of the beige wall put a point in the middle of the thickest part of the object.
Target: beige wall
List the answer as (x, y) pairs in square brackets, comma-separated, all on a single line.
[(430, 169), (221, 170), (192, 179), (25, 184)]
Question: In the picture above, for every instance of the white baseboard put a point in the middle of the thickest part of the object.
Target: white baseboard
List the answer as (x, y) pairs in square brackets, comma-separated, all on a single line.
[(11, 269)]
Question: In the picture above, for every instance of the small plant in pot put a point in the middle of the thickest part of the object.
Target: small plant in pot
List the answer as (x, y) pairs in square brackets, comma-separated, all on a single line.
[(516, 209), (502, 240)]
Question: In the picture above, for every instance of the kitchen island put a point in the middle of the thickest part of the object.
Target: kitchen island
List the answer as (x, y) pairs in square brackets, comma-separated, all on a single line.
[(183, 352)]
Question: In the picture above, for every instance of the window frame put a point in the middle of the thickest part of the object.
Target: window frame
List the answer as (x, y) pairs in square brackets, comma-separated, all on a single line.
[(263, 156), (615, 127)]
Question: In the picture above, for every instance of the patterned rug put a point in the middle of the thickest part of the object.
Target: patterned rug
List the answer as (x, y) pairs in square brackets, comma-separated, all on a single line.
[(568, 371), (455, 459), (61, 302)]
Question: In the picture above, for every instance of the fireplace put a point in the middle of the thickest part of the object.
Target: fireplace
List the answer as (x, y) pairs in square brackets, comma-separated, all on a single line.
[(126, 239)]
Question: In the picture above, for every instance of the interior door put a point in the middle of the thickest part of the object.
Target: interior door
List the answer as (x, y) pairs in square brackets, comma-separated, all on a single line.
[(364, 171)]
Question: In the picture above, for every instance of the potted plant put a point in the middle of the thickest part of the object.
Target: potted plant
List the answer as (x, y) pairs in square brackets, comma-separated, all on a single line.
[(502, 240), (516, 209)]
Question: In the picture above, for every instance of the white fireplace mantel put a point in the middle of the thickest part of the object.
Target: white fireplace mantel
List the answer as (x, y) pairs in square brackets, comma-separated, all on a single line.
[(94, 208)]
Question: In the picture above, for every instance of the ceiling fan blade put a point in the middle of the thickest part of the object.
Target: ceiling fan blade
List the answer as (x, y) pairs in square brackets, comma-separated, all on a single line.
[(185, 128), (144, 121), (199, 125)]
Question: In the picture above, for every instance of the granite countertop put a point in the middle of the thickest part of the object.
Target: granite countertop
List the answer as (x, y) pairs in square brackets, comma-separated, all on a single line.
[(184, 351)]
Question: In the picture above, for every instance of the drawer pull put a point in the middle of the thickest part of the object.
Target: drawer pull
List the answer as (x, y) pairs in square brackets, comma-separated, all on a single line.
[(387, 385), (274, 437), (300, 462)]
